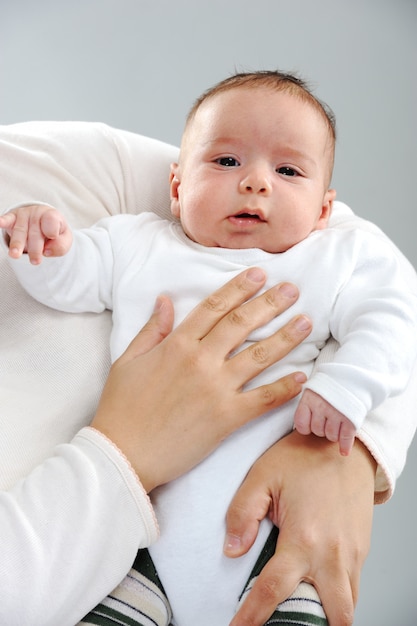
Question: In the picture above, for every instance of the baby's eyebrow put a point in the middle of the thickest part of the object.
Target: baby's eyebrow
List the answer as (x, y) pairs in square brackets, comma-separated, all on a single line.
[(226, 141), (297, 155)]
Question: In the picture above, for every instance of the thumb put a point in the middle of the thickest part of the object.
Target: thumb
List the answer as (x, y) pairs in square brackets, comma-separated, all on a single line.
[(155, 330), (58, 235), (250, 505), (53, 224)]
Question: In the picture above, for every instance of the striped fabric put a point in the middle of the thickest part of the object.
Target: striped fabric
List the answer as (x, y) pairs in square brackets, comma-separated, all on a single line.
[(302, 608), (140, 599)]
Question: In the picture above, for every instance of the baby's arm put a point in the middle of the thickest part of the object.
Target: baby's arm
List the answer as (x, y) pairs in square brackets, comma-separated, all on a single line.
[(38, 230), (315, 415)]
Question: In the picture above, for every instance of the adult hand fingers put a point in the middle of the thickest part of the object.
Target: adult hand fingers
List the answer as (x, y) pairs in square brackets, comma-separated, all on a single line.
[(180, 399), (212, 309), (338, 592), (250, 505), (279, 579), (276, 582), (155, 330), (260, 355), (238, 323), (324, 533)]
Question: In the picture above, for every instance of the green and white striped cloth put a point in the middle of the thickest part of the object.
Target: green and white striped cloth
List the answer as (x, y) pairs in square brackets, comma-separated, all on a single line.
[(140, 599)]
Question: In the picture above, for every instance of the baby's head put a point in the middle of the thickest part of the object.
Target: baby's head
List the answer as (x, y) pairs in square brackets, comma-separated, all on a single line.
[(256, 163)]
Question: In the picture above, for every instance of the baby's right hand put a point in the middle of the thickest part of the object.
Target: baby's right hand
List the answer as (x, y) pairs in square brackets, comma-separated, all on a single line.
[(37, 230)]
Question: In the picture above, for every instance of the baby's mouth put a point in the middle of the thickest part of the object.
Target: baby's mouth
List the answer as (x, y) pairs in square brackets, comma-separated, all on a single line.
[(249, 215)]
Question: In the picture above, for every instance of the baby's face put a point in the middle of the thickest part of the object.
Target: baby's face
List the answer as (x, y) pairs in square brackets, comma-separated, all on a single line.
[(253, 171)]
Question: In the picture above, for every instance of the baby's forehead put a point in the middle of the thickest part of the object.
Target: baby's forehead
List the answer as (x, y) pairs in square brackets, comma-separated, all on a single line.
[(237, 112), (232, 100)]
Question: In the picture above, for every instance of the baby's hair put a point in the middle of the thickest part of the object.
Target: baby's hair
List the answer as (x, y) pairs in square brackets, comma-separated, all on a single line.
[(286, 82)]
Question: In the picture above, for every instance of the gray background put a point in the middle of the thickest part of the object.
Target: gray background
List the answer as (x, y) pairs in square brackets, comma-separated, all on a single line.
[(139, 64)]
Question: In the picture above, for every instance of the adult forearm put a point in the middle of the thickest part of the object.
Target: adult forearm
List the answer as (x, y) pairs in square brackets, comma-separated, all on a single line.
[(57, 556)]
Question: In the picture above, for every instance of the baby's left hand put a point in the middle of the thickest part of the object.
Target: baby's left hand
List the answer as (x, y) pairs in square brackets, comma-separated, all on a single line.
[(315, 415)]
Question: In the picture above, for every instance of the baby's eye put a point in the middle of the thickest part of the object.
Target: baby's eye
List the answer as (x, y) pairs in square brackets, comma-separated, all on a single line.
[(287, 171), (227, 161)]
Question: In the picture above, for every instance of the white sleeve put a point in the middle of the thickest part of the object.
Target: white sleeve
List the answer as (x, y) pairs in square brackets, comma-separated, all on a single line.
[(389, 429), (78, 282), (374, 319), (56, 551)]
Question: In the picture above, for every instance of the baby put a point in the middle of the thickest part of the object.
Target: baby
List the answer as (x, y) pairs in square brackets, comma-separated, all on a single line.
[(252, 187)]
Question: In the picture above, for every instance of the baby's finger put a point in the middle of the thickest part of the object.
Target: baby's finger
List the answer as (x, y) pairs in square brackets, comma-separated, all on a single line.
[(52, 224), (302, 418), (35, 238), (58, 235), (346, 437), (18, 232), (318, 424), (7, 220), (332, 429)]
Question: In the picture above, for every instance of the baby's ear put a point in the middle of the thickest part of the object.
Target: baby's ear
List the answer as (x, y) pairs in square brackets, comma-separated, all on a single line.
[(326, 209), (174, 183)]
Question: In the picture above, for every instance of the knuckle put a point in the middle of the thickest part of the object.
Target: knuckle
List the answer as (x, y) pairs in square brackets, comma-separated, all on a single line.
[(286, 336), (178, 343), (259, 353), (269, 298), (333, 437), (268, 396), (268, 590), (19, 229), (336, 550), (345, 606), (192, 362), (238, 318), (215, 303), (235, 516), (348, 616)]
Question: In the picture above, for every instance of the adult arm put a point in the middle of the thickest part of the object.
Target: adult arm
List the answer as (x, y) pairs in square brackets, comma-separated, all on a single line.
[(71, 529)]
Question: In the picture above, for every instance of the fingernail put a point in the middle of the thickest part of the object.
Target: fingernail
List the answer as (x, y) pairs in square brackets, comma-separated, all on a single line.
[(300, 377), (302, 323), (232, 544), (159, 303), (256, 275), (288, 290)]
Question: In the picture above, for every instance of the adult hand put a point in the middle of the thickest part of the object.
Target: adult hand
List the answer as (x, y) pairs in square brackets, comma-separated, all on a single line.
[(174, 396), (322, 504)]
